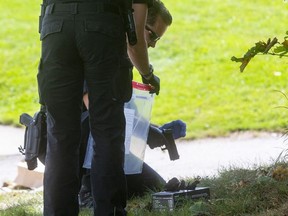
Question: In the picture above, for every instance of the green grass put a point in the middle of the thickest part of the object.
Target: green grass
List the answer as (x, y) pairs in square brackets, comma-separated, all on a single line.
[(19, 42), (235, 191), (199, 82)]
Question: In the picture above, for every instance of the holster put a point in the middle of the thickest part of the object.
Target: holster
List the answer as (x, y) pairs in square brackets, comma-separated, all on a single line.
[(129, 23), (35, 138)]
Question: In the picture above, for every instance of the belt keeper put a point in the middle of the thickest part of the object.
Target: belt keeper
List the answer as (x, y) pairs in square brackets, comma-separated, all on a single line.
[(49, 9), (74, 8)]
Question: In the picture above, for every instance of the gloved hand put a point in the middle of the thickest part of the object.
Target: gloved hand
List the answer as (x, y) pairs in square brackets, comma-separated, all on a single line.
[(178, 128), (175, 185), (152, 80)]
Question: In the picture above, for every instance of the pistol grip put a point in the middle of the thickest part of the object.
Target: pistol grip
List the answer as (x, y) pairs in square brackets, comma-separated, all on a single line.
[(25, 119), (170, 145)]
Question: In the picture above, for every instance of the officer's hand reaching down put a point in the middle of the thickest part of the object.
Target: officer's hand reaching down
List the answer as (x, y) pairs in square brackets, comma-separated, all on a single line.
[(152, 80)]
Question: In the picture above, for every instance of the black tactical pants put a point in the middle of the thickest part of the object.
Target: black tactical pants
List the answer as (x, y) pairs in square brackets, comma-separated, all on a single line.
[(77, 45)]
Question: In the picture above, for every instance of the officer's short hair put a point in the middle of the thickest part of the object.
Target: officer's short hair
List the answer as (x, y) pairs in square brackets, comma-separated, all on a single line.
[(159, 8)]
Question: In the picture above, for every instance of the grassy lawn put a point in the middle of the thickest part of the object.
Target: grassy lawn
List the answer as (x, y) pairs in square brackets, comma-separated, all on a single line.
[(199, 82), (235, 192)]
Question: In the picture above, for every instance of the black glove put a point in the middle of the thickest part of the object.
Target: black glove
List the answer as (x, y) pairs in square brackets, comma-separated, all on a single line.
[(175, 185), (152, 80)]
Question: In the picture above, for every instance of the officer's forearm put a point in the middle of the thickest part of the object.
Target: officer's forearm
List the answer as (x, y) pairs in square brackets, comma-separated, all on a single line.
[(139, 58), (86, 100)]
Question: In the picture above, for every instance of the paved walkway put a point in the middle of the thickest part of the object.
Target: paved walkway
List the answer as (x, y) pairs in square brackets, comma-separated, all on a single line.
[(10, 139), (203, 157), (206, 157)]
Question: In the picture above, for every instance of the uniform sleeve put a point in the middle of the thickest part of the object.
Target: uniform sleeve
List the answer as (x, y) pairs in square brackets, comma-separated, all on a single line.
[(148, 2)]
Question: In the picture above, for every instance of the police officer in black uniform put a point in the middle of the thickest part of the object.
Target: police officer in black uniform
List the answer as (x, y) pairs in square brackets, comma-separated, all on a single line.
[(86, 39)]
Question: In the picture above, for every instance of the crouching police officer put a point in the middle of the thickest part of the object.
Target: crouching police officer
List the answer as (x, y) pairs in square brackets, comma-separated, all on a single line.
[(86, 39)]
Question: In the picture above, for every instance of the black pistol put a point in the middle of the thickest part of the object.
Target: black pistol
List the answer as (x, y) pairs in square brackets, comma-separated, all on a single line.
[(35, 138), (163, 139), (170, 144)]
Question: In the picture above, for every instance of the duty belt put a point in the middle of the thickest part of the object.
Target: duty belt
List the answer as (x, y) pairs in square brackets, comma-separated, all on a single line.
[(76, 8)]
